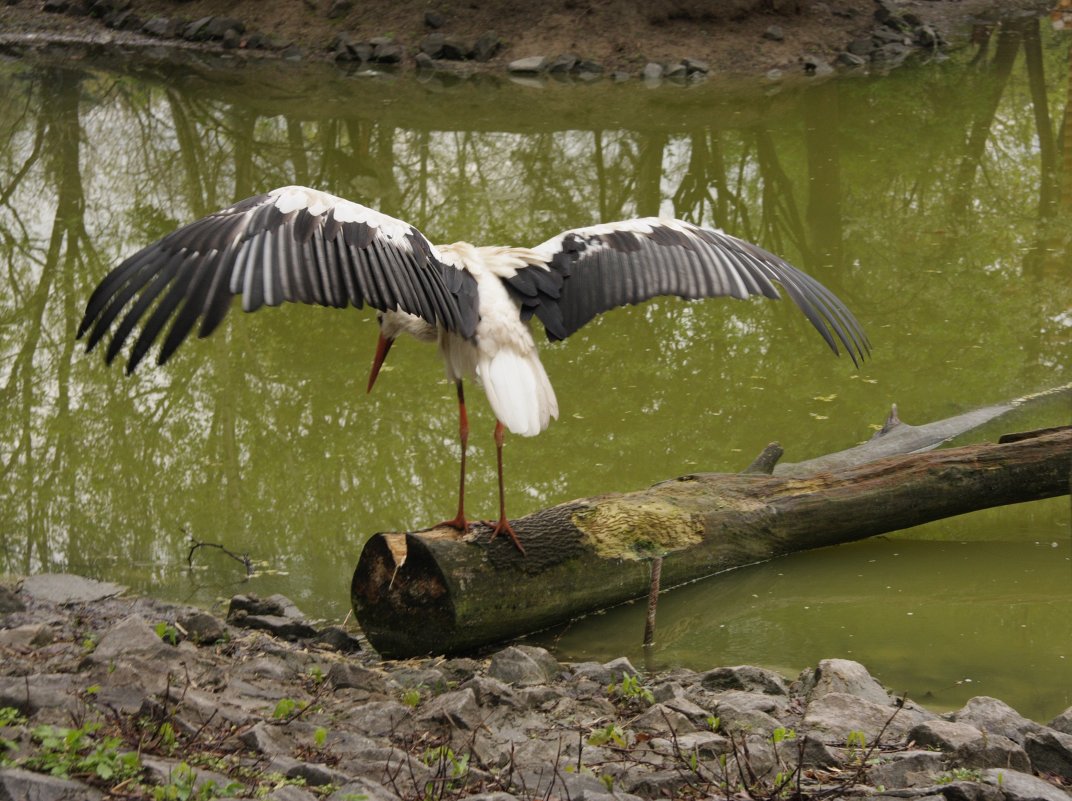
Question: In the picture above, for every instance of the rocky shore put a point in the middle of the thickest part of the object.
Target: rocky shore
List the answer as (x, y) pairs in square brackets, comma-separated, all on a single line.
[(674, 41), (108, 696)]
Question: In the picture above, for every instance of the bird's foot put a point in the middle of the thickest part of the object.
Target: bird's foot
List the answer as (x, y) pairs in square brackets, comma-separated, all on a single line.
[(458, 523), (504, 527)]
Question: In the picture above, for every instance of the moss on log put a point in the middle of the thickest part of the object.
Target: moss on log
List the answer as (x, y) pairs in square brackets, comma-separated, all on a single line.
[(440, 592)]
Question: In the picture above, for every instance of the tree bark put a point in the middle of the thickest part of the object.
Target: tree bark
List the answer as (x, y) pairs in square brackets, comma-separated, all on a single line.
[(440, 592)]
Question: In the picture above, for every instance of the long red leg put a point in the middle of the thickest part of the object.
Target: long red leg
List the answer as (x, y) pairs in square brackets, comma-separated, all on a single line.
[(503, 526), (459, 522)]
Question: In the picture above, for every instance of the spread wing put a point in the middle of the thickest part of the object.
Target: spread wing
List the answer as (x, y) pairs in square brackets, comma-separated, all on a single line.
[(587, 271), (291, 244)]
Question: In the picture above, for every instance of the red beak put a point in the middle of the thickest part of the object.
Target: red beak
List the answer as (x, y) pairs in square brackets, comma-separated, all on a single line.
[(382, 346)]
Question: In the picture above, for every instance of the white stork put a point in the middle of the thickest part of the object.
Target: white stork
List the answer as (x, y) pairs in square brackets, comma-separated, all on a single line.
[(302, 245)]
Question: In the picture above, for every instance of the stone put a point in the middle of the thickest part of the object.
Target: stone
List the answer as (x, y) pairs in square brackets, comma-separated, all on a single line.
[(846, 59), (966, 791), (523, 666), (995, 717), (652, 71), (739, 719), (486, 47), (620, 668), (745, 677), (696, 66), (131, 636), (907, 769), (32, 634), (30, 694), (448, 48), (17, 784), (56, 6), (339, 8), (338, 639), (1050, 751), (527, 66), (815, 65), (290, 792), (834, 716), (592, 671), (564, 62), (1019, 786), (1063, 722), (10, 602), (344, 675), (774, 33), (457, 709), (489, 691), (218, 27), (286, 628), (969, 746), (196, 30), (201, 627), (268, 740), (420, 678), (434, 20), (64, 589), (365, 789), (387, 53), (841, 676), (661, 719), (165, 771), (159, 26), (676, 70)]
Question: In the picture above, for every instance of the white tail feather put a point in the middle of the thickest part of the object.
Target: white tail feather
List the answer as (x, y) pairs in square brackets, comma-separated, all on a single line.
[(519, 391)]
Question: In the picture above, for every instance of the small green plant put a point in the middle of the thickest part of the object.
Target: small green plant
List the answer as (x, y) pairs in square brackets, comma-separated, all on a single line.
[(611, 734), (9, 716), (782, 734), (856, 739), (320, 736), (288, 708), (73, 752), (411, 697), (316, 674), (458, 766), (167, 633), (89, 643), (630, 689), (183, 786), (961, 775), (714, 722)]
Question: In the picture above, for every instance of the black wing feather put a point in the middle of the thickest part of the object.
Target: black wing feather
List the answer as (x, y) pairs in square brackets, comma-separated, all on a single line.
[(606, 266), (292, 244)]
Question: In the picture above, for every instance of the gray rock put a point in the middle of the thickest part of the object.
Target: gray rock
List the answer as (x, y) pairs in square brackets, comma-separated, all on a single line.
[(1050, 752), (132, 636), (523, 666), (661, 719), (1023, 786), (739, 719), (218, 27), (17, 784), (995, 717), (164, 771), (676, 70), (313, 774), (344, 675), (1063, 722), (696, 66), (433, 19), (32, 634), (586, 69), (10, 602), (744, 677), (564, 62), (387, 53), (290, 792), (969, 746), (774, 33), (620, 668), (592, 671), (808, 752), (269, 740), (486, 47), (340, 8), (907, 769), (457, 709), (450, 48), (489, 692), (527, 66), (286, 628), (834, 716), (817, 66), (378, 718), (841, 676), (846, 59), (365, 789), (419, 678), (339, 639), (30, 694), (202, 628), (693, 711), (652, 71), (65, 589), (965, 791)]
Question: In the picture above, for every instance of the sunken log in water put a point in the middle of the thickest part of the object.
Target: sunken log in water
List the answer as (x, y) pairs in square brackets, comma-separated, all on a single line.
[(439, 592)]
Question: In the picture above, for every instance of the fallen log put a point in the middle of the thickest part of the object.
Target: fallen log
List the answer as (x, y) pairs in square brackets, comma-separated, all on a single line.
[(440, 592)]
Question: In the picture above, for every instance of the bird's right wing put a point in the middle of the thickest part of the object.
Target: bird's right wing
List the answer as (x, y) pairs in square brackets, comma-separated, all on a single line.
[(291, 244), (587, 271)]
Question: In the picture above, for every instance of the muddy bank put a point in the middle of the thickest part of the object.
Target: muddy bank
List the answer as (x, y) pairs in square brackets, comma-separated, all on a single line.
[(583, 39), (108, 696)]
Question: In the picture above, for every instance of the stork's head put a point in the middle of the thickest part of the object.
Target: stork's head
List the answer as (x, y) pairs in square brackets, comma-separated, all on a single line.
[(393, 323)]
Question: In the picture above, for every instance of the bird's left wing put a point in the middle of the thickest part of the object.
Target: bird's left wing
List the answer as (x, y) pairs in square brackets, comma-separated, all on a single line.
[(587, 271), (291, 244)]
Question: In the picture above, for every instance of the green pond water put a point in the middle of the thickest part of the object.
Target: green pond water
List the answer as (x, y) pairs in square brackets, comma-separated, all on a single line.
[(935, 201)]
